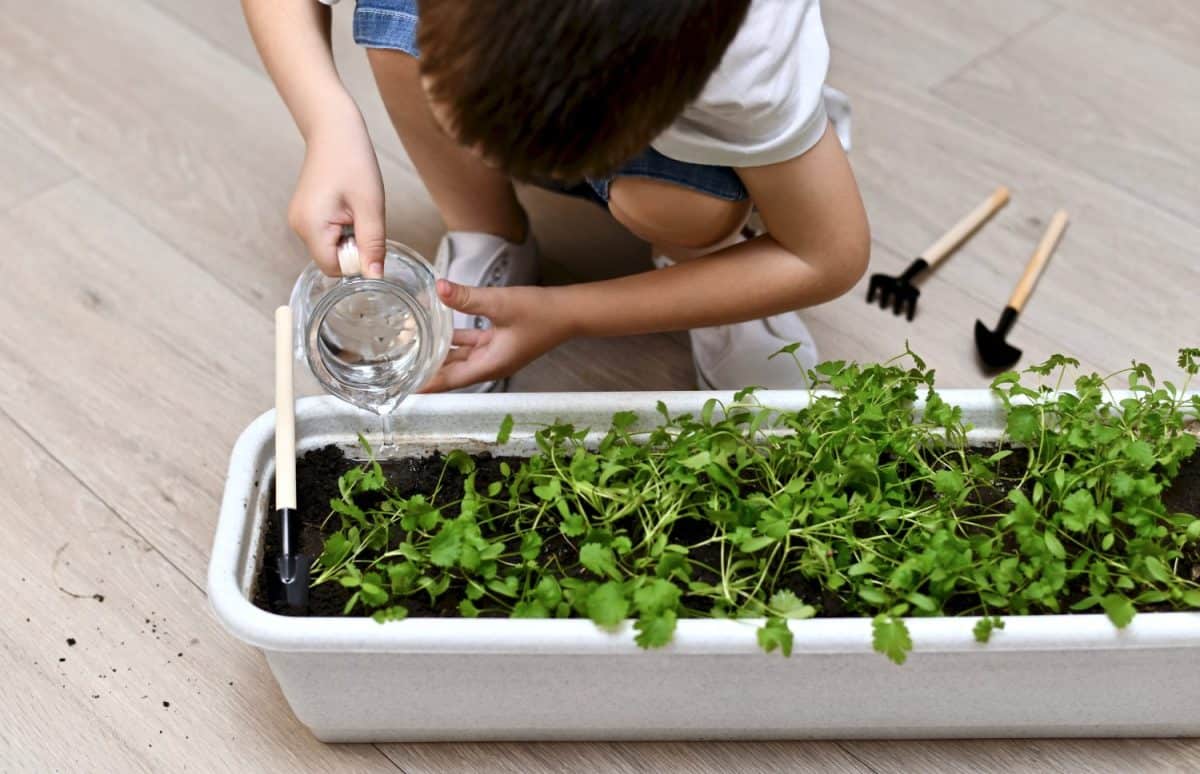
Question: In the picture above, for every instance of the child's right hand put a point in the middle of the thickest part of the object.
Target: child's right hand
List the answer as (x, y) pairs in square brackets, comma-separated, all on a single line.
[(340, 185)]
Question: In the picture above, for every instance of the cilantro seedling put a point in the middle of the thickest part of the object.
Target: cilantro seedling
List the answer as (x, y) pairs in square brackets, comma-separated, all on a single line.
[(869, 501)]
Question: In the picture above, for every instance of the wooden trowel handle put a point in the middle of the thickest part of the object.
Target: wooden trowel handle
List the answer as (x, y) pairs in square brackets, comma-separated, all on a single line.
[(285, 412), (954, 238), (1037, 263)]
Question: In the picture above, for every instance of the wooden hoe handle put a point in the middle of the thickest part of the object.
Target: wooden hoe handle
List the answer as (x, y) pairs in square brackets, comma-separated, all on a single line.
[(1037, 263), (954, 238), (285, 412)]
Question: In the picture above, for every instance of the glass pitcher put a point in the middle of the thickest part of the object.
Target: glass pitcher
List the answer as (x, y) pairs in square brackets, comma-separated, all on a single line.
[(372, 342)]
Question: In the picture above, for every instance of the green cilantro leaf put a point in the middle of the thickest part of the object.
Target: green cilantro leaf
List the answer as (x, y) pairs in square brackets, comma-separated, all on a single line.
[(599, 560), (506, 426), (891, 638), (1119, 610), (656, 630), (606, 605), (446, 546), (657, 596), (774, 633), (985, 626)]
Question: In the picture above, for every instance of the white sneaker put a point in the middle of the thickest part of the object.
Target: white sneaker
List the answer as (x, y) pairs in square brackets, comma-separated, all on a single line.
[(485, 260), (730, 357)]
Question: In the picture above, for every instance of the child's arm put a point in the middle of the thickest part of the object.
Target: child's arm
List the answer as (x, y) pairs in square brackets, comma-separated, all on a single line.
[(816, 250), (339, 183)]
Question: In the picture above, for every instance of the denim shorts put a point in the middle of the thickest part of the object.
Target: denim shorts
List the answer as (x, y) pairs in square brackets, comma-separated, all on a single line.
[(392, 24)]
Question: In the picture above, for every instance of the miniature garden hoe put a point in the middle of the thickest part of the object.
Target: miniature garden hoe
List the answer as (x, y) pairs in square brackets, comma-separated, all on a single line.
[(996, 353), (899, 292), (293, 566)]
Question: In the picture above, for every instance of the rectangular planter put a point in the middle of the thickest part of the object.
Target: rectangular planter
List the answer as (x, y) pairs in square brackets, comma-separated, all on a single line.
[(483, 679)]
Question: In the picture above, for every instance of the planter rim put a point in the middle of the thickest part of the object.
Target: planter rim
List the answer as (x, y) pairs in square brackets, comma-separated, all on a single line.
[(580, 636)]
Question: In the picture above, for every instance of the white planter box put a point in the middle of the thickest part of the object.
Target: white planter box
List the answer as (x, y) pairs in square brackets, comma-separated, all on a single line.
[(482, 679)]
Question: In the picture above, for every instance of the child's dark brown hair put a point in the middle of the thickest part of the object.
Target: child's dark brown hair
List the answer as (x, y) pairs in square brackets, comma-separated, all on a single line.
[(567, 88)]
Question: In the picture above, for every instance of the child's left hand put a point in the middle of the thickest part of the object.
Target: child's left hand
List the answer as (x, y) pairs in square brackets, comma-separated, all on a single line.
[(526, 324)]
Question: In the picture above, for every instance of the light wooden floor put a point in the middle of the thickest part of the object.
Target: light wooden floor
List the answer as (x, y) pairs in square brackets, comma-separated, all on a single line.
[(145, 165)]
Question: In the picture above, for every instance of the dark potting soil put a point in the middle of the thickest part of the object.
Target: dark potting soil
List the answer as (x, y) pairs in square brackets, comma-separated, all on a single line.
[(317, 474)]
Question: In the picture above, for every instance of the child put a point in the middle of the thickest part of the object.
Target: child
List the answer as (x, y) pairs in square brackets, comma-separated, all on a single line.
[(677, 116)]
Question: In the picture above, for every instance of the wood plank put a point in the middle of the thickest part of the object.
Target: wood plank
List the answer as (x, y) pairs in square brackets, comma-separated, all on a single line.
[(1051, 756), (151, 683), (923, 42), (195, 143), (135, 367), (625, 758), (203, 167), (941, 333), (1120, 285), (1170, 24), (1098, 98), (190, 137), (222, 25), (28, 169)]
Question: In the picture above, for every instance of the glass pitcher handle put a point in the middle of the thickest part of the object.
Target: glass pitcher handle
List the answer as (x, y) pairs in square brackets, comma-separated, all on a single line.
[(347, 254)]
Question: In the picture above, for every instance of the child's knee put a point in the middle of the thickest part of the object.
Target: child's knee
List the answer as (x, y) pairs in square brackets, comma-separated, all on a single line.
[(666, 214)]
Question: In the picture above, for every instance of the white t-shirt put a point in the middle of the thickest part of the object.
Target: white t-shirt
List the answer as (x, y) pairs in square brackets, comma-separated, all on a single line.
[(765, 102)]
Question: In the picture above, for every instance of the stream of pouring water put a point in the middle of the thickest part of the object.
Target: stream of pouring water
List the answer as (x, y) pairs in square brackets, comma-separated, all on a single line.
[(371, 345)]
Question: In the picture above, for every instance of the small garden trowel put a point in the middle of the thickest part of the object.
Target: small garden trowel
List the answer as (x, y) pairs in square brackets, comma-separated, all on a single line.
[(996, 353), (293, 566), (899, 292)]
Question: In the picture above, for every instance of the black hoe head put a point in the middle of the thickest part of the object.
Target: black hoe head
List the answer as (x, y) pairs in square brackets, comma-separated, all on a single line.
[(996, 353), (293, 575)]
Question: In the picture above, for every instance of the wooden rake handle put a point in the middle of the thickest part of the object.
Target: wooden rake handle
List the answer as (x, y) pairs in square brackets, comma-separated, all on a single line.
[(1037, 263), (954, 238), (285, 412)]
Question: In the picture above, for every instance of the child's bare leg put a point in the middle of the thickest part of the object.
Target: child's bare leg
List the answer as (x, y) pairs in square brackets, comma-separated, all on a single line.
[(678, 222), (469, 195)]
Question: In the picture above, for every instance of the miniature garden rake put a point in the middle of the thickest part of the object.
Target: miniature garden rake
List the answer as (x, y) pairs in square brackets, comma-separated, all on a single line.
[(899, 292)]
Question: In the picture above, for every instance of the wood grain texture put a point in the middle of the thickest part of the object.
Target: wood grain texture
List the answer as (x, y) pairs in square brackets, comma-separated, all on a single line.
[(144, 176), (195, 142), (1045, 756), (922, 42), (1099, 98), (144, 680), (625, 758), (220, 23), (27, 169), (140, 377), (1121, 284), (1170, 24)]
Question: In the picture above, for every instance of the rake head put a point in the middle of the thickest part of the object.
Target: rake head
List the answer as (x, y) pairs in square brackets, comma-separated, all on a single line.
[(896, 292)]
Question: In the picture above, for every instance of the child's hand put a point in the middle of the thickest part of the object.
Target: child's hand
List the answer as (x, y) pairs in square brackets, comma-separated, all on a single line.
[(340, 186), (526, 323)]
